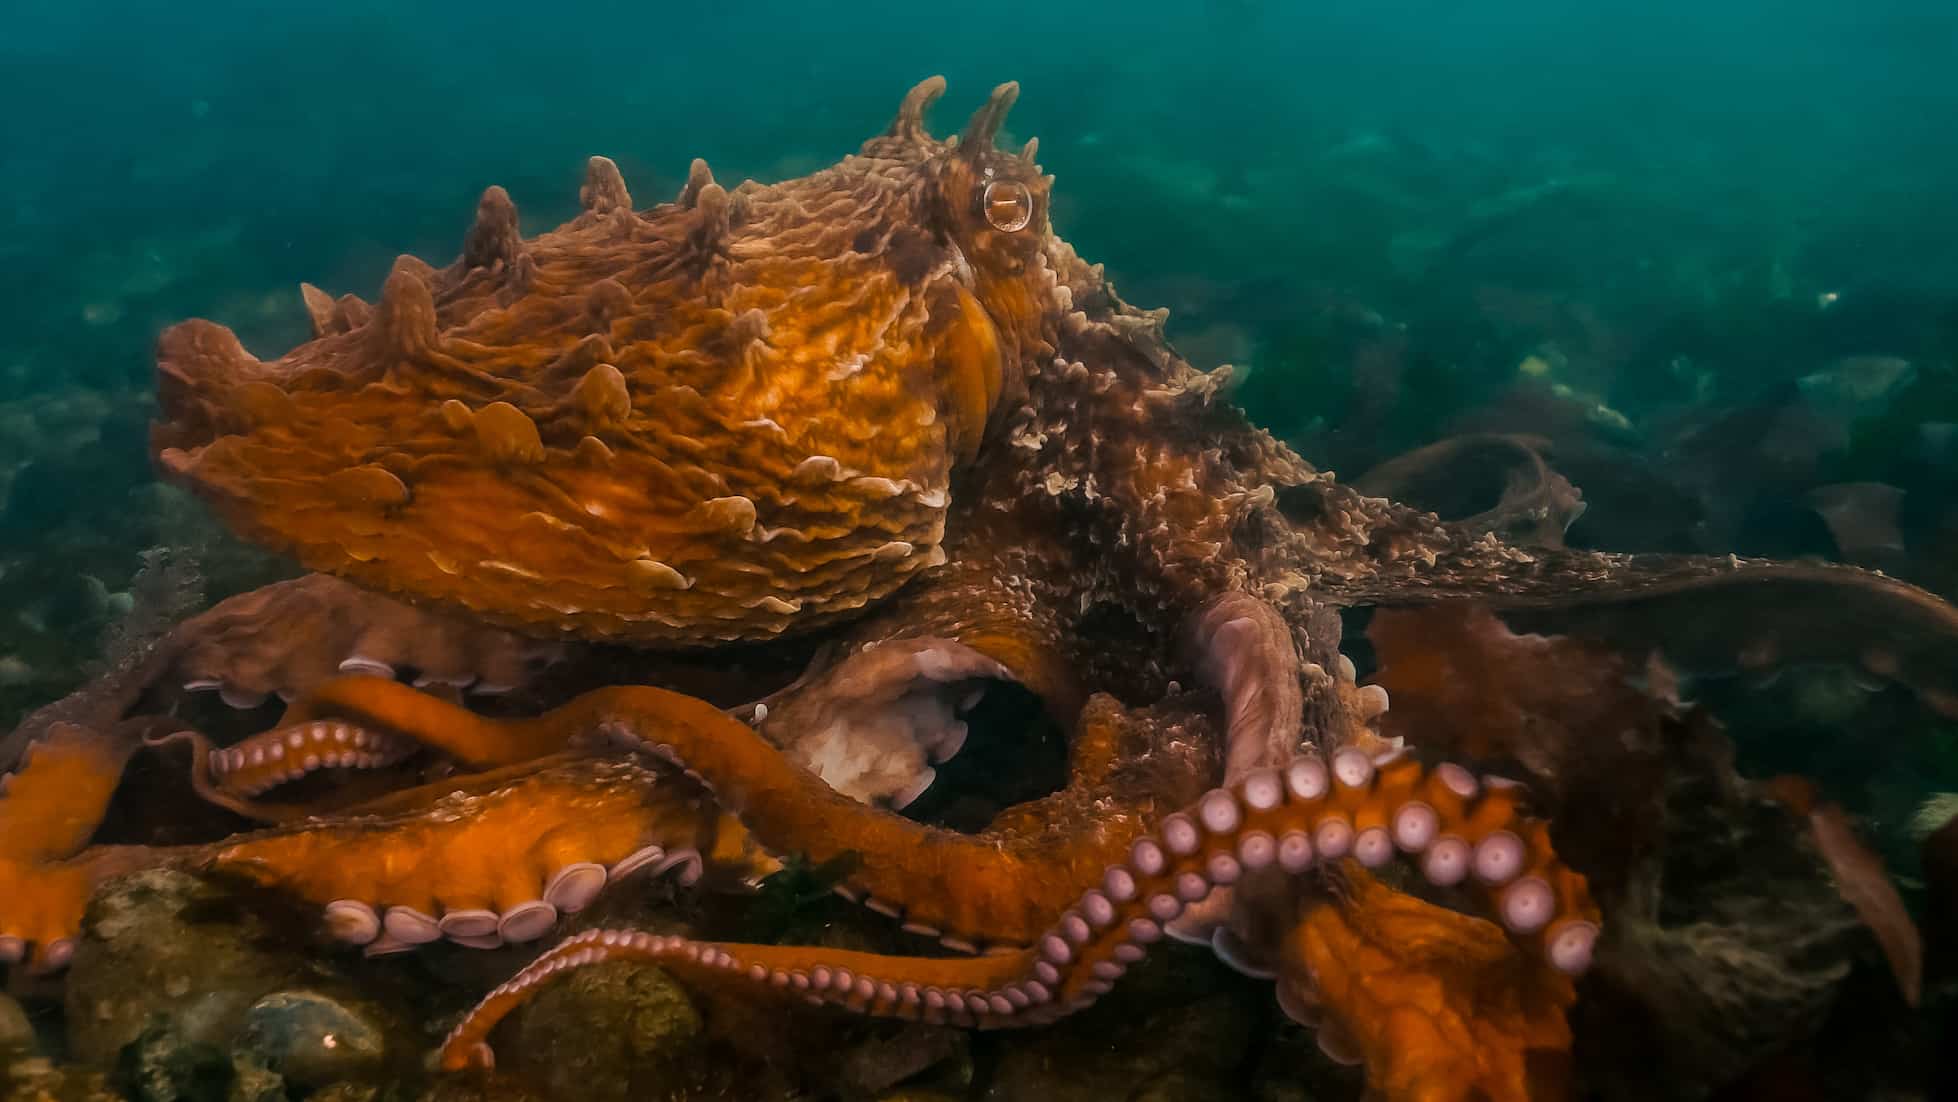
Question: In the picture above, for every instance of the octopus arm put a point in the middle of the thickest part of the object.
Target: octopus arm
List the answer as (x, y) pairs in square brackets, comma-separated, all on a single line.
[(1437, 1005), (1706, 613), (50, 806), (57, 796), (1274, 820), (953, 883), (493, 858)]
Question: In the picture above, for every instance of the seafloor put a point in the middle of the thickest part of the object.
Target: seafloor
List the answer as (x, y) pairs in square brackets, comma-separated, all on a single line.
[(1755, 384)]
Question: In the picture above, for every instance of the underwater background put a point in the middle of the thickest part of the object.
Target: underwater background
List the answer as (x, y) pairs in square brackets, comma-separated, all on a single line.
[(1704, 254)]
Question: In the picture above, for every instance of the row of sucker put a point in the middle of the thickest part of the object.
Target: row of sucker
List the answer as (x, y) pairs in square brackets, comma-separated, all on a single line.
[(1455, 829), (285, 754), (240, 698), (381, 930)]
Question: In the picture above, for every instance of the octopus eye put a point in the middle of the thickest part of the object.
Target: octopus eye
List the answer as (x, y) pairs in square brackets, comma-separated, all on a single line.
[(1009, 205)]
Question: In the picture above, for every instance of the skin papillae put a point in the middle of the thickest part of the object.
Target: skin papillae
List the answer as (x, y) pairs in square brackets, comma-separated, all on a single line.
[(883, 405)]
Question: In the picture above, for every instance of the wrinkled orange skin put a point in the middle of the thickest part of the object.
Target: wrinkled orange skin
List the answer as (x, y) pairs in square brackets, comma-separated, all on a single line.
[(1442, 1006), (710, 420)]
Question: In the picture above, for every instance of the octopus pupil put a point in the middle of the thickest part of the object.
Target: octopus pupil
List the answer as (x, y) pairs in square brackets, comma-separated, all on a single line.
[(1008, 205)]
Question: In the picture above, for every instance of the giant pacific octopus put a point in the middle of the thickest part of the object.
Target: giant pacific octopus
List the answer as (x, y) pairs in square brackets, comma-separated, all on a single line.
[(882, 419)]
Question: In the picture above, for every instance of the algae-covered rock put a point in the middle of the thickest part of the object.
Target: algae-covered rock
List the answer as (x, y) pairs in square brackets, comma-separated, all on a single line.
[(253, 1082), (615, 1031), (479, 1087), (162, 1065), (164, 949), (1732, 943), (312, 1039), (41, 1081), (1191, 1049), (1183, 1086), (881, 1062), (1292, 1068), (188, 992), (16, 1032)]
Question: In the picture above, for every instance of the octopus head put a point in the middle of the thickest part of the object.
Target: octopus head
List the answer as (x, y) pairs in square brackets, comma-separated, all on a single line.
[(722, 417), (990, 203)]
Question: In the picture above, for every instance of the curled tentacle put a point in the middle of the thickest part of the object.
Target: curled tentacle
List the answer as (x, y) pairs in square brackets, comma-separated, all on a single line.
[(1003, 893), (235, 787), (286, 753), (203, 756), (396, 714), (1295, 819), (1459, 826)]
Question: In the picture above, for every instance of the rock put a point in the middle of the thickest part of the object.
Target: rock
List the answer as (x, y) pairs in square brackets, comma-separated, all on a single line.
[(1142, 1046), (42, 1081), (347, 1092), (1179, 1086), (190, 992), (155, 957), (1855, 387), (1731, 944), (881, 1062), (253, 1082), (312, 1039), (603, 1033), (1292, 1068), (160, 1065), (1863, 518), (481, 1087), (1822, 696), (1726, 940), (16, 1032), (1937, 441)]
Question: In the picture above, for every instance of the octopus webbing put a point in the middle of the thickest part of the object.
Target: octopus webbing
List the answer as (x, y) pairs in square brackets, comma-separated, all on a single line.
[(883, 421)]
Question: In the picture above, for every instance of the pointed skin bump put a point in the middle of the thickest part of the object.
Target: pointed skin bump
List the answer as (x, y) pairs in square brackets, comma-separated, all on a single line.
[(867, 341)]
